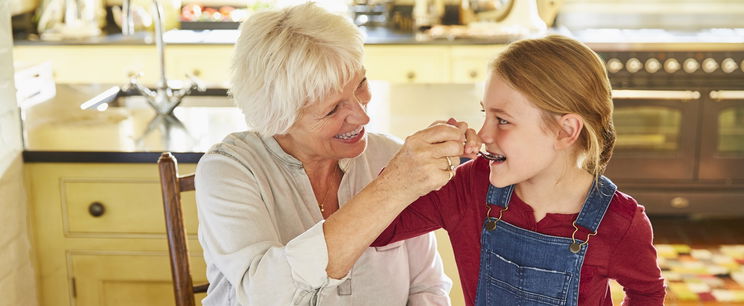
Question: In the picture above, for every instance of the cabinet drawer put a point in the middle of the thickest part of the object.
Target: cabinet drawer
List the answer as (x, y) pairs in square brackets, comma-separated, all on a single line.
[(210, 64), (690, 202), (470, 63), (129, 206), (93, 63), (420, 64)]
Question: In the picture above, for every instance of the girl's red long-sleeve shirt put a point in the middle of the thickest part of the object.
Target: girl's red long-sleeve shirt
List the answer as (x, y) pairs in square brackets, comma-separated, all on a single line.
[(622, 249)]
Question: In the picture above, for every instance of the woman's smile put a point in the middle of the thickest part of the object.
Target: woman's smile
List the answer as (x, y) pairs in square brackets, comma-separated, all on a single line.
[(351, 137)]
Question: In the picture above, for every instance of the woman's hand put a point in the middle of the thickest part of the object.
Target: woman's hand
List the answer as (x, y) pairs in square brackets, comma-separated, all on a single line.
[(426, 161), (473, 143)]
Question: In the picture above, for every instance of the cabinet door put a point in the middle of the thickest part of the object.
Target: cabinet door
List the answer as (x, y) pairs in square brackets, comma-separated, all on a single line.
[(118, 279), (411, 64), (722, 150)]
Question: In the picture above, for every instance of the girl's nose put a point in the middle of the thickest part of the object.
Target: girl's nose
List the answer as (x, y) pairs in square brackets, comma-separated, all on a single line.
[(485, 135)]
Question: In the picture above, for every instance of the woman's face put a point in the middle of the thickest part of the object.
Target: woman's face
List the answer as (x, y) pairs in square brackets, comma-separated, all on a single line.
[(332, 128), (514, 129)]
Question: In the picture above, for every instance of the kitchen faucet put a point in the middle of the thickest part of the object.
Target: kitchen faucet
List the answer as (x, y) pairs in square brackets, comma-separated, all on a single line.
[(164, 98)]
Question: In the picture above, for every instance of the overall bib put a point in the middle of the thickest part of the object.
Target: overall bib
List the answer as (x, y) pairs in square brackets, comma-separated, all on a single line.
[(521, 267)]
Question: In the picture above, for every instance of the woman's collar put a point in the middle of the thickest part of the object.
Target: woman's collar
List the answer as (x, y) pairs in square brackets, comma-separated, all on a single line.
[(273, 146)]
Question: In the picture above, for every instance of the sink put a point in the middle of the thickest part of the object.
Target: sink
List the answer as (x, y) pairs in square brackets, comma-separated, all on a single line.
[(113, 97)]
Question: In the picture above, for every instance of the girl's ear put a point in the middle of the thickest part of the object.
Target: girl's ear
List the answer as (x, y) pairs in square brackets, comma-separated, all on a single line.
[(570, 126)]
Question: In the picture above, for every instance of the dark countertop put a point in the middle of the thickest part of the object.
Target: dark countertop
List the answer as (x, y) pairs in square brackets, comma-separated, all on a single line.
[(374, 36), (597, 39)]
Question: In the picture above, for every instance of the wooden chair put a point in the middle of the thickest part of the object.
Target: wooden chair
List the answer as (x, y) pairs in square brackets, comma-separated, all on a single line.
[(172, 185)]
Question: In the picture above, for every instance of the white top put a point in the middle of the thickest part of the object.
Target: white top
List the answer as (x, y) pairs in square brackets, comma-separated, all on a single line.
[(263, 240)]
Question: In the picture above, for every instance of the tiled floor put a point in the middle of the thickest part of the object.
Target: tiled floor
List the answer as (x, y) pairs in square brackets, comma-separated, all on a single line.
[(701, 259)]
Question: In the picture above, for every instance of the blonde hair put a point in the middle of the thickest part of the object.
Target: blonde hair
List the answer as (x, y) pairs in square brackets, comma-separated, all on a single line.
[(560, 76), (287, 59)]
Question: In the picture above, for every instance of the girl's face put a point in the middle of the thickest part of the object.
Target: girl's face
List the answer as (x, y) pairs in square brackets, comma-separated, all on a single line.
[(514, 130), (334, 127)]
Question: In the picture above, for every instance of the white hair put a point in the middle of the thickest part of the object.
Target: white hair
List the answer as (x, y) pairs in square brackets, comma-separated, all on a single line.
[(289, 58)]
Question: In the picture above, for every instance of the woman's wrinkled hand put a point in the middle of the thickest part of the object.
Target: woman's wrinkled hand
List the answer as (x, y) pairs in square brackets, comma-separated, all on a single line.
[(472, 143), (427, 160)]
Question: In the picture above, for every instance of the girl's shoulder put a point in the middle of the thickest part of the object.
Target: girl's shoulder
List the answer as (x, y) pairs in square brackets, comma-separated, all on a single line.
[(624, 205), (622, 212)]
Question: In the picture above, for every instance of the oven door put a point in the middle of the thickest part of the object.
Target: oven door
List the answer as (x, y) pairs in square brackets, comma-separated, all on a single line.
[(656, 135), (722, 151)]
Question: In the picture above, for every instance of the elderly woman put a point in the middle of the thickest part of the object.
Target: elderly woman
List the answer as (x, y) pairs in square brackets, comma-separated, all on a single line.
[(287, 210)]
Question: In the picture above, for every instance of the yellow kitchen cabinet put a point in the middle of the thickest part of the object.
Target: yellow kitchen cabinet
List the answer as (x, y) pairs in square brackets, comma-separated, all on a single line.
[(208, 63), (93, 63), (112, 64), (470, 63), (117, 258), (408, 64)]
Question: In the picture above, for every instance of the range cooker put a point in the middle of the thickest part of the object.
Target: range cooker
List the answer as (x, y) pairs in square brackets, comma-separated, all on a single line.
[(679, 114)]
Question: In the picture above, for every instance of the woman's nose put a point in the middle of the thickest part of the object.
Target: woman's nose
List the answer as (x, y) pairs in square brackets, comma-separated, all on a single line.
[(359, 114)]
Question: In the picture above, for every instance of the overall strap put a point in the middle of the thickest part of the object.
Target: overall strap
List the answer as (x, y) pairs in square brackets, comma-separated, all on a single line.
[(499, 196), (596, 204)]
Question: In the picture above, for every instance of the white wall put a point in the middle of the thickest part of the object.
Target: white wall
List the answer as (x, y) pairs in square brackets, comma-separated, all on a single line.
[(17, 279)]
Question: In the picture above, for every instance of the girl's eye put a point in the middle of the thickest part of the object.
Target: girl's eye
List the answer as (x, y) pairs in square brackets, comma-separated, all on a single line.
[(502, 121)]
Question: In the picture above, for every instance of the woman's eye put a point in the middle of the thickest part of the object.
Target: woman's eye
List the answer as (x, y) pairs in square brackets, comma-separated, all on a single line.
[(333, 111), (362, 87), (502, 121)]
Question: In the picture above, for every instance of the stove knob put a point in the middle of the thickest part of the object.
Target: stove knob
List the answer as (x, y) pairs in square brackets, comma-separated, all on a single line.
[(691, 65), (652, 65), (671, 65), (729, 65), (633, 65), (710, 65), (614, 65)]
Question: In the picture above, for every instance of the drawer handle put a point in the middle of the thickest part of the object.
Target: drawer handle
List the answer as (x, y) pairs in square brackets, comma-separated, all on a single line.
[(473, 74), (680, 202), (96, 209), (411, 75)]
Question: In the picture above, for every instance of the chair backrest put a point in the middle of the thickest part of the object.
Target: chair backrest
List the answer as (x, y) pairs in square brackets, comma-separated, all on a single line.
[(172, 185)]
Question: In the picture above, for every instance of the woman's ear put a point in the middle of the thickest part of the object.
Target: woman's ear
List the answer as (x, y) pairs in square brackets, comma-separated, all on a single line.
[(570, 126)]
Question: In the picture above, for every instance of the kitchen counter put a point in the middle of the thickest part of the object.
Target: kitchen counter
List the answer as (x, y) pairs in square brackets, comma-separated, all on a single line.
[(57, 130), (597, 39), (373, 36)]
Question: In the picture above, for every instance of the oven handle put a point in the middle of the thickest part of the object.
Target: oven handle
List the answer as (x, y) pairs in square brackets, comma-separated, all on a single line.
[(719, 95), (684, 95)]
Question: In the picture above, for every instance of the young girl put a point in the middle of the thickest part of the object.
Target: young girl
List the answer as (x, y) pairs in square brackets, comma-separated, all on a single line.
[(532, 221)]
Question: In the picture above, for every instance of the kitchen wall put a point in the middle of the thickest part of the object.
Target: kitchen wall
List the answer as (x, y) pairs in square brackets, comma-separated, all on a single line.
[(17, 278)]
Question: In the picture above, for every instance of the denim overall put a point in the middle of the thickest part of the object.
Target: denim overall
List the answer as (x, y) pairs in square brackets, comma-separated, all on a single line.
[(521, 267)]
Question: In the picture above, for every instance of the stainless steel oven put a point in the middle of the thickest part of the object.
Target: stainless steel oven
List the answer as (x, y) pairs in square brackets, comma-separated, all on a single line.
[(679, 116)]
